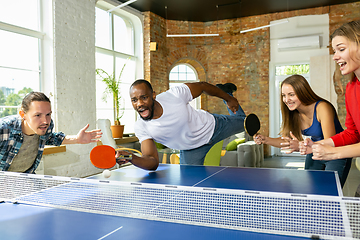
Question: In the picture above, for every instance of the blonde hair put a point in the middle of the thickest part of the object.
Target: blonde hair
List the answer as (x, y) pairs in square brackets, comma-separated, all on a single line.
[(350, 30)]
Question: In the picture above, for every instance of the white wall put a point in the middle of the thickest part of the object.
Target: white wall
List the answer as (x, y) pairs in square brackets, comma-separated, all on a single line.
[(321, 75), (73, 90), (312, 25), (320, 62)]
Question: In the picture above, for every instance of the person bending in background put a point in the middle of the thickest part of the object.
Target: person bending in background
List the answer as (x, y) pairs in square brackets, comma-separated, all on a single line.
[(305, 113), (23, 137), (346, 45), (169, 119)]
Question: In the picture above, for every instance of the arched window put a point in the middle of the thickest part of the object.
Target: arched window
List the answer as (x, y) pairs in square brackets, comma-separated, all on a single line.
[(184, 73)]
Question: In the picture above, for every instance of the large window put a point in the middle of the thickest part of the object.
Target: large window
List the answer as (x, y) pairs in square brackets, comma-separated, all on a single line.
[(184, 73), (20, 44), (287, 70), (115, 46)]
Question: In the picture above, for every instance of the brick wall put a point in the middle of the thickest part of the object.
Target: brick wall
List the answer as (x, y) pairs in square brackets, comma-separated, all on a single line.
[(155, 62), (232, 57)]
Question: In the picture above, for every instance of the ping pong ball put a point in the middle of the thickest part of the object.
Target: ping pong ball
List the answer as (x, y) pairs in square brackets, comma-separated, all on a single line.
[(106, 173)]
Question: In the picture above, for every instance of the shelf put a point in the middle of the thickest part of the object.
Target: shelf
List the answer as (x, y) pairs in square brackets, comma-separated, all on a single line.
[(54, 149)]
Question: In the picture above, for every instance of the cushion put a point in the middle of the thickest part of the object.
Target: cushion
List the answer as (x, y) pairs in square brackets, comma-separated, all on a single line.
[(233, 144), (240, 135), (159, 145)]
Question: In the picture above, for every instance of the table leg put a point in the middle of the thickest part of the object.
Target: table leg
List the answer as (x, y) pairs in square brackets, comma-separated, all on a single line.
[(164, 160)]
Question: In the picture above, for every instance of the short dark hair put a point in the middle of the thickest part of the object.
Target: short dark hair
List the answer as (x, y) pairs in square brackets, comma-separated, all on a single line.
[(142, 81), (31, 97)]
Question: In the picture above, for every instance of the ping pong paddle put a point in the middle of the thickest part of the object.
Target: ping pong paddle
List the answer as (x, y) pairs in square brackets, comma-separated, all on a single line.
[(252, 124), (103, 156)]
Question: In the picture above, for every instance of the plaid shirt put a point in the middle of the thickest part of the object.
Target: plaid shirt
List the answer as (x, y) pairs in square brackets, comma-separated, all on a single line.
[(11, 139)]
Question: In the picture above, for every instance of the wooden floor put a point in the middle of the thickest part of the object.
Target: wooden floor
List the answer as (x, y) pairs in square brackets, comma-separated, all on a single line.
[(351, 184)]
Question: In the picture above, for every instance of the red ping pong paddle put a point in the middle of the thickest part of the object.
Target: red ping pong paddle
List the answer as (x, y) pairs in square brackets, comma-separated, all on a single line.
[(103, 156), (252, 124)]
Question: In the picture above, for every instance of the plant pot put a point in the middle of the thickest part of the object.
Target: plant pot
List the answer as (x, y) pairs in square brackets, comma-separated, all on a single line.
[(117, 131)]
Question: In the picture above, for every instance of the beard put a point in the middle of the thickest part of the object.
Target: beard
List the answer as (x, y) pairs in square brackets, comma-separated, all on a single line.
[(151, 115)]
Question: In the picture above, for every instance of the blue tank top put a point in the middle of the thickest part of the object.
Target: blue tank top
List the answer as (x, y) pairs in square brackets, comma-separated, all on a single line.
[(315, 130)]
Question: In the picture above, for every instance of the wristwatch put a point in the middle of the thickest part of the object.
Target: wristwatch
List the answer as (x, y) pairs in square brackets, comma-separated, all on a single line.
[(126, 157)]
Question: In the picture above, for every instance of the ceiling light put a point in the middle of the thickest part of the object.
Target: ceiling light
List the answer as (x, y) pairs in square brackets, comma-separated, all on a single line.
[(193, 35), (265, 26), (122, 5)]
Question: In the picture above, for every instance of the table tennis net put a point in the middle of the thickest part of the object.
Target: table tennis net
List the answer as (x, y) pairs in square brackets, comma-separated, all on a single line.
[(278, 213)]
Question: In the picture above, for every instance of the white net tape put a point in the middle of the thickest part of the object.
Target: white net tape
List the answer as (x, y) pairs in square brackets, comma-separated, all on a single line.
[(298, 215)]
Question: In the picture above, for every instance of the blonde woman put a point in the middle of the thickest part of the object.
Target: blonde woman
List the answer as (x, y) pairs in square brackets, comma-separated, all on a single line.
[(346, 45)]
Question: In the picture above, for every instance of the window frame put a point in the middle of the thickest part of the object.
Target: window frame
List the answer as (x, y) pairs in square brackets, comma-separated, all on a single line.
[(133, 19), (40, 35), (197, 101)]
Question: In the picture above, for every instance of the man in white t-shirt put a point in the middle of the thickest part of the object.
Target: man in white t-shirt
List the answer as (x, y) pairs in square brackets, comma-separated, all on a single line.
[(169, 119)]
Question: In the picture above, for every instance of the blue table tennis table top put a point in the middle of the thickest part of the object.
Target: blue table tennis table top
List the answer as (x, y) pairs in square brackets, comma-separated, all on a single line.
[(22, 221)]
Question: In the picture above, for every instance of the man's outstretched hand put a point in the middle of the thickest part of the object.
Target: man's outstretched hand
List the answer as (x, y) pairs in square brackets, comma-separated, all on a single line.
[(85, 137)]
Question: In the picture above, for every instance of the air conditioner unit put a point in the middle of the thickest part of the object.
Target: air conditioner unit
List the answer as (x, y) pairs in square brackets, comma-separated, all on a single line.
[(298, 43)]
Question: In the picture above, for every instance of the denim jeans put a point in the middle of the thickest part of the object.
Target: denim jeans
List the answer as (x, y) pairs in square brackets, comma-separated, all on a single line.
[(225, 126), (342, 166)]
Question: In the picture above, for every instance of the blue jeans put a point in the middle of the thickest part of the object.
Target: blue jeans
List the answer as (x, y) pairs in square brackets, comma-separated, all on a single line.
[(225, 126), (342, 166)]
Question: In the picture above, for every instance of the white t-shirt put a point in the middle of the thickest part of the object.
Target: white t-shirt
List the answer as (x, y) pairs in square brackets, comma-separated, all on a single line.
[(180, 126)]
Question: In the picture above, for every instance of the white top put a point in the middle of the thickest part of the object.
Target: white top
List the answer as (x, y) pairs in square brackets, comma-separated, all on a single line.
[(180, 126)]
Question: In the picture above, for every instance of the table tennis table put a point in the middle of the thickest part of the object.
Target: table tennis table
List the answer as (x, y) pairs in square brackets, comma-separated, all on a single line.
[(28, 221)]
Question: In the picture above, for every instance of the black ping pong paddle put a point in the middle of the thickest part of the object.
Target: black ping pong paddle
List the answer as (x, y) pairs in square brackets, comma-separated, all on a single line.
[(252, 124)]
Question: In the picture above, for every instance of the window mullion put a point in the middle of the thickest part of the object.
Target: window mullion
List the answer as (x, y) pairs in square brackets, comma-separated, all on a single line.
[(21, 30), (112, 44)]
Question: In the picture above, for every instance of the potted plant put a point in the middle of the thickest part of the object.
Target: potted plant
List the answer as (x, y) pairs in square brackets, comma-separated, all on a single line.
[(113, 89)]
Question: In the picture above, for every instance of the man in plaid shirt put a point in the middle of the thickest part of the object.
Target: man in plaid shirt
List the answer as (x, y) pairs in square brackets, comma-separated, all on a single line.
[(23, 137)]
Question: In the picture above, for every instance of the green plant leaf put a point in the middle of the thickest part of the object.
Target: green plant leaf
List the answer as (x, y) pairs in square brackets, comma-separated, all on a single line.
[(112, 89)]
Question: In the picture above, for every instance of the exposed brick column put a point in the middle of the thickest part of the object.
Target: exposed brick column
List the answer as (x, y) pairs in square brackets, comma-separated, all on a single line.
[(155, 63)]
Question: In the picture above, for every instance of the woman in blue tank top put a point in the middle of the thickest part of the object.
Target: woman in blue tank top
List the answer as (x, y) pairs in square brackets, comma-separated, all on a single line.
[(305, 113)]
